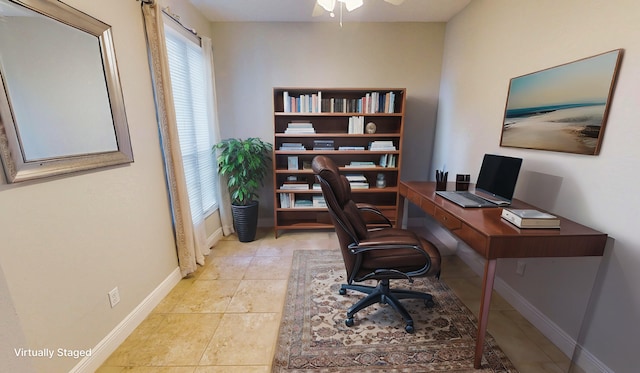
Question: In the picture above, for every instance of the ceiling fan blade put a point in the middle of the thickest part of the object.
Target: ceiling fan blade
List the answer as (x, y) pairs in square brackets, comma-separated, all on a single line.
[(352, 4), (395, 2)]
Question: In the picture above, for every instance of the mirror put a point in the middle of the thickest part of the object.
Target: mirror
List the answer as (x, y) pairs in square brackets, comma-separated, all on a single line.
[(61, 106)]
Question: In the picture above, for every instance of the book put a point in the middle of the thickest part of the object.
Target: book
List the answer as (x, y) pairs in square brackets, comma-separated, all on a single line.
[(295, 185), (292, 146), (530, 218), (358, 164), (356, 177), (318, 201), (382, 145)]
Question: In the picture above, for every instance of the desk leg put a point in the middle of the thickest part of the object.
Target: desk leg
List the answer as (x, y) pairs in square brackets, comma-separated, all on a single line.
[(402, 210), (483, 318)]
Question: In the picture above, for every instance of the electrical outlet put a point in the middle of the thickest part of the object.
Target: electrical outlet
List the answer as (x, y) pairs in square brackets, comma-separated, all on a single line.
[(114, 297), (520, 266)]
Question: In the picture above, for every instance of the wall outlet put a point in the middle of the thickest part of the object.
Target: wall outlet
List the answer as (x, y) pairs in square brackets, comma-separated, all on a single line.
[(520, 266), (114, 297)]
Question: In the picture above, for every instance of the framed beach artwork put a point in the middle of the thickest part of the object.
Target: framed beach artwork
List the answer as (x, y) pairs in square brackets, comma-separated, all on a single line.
[(563, 108)]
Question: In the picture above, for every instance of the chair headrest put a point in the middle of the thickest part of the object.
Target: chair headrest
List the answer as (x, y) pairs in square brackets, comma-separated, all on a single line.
[(327, 170)]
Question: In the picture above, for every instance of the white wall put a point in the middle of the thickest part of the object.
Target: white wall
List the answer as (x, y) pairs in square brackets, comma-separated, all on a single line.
[(66, 241), (492, 41), (253, 58)]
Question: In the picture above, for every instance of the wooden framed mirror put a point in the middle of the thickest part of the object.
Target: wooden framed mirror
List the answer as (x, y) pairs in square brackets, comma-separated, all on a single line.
[(61, 103)]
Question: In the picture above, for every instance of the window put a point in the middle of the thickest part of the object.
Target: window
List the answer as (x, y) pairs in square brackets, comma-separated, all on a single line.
[(189, 86)]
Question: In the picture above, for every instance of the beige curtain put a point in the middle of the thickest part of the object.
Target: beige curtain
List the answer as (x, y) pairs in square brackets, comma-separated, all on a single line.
[(188, 255), (223, 198)]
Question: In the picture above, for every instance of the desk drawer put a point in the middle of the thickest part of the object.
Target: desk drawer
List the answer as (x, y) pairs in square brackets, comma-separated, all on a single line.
[(449, 221)]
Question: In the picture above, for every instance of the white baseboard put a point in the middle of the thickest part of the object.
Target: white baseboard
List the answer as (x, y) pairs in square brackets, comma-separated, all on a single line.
[(582, 358), (110, 343), (215, 237)]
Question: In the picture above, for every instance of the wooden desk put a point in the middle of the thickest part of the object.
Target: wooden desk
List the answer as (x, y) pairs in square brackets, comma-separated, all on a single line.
[(484, 231)]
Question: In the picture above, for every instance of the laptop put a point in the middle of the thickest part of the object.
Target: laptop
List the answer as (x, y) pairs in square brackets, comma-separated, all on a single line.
[(495, 186)]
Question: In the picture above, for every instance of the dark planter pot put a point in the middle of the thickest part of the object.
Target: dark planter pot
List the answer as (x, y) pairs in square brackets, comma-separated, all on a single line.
[(245, 220)]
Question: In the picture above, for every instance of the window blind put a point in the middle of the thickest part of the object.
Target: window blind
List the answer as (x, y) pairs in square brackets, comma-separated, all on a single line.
[(186, 67)]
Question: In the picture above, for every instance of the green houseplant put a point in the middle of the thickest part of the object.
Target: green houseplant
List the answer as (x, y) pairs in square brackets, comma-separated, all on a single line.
[(245, 163)]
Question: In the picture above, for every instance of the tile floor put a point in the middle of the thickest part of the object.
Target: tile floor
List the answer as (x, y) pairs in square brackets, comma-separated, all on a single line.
[(225, 317)]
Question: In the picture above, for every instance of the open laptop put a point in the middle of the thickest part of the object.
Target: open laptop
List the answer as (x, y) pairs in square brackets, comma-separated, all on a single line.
[(495, 186)]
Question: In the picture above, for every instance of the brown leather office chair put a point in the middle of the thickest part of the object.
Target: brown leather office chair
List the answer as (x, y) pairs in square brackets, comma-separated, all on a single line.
[(381, 254)]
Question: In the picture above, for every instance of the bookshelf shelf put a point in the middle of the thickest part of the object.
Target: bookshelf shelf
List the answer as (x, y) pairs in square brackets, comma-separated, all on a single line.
[(332, 121)]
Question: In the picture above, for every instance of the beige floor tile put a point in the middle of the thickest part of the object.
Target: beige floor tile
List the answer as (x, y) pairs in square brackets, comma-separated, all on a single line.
[(136, 341), (207, 296), (234, 248), (269, 268), (179, 340), (225, 268), (259, 296), (243, 339), (175, 295)]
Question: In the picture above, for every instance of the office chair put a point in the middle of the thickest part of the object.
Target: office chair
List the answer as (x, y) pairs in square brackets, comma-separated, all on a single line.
[(381, 254)]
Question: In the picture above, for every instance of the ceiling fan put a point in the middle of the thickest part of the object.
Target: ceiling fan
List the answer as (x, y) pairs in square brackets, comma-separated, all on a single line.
[(329, 5)]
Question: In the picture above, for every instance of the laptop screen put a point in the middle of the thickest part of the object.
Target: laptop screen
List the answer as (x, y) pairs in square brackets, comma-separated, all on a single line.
[(498, 175)]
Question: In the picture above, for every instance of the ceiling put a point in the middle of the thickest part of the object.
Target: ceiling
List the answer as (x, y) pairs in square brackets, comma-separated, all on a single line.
[(301, 11)]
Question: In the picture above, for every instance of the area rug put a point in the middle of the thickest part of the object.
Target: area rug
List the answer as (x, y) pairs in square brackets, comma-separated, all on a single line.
[(313, 336)]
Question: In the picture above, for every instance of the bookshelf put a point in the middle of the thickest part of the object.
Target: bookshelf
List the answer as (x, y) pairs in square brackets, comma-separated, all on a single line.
[(335, 122)]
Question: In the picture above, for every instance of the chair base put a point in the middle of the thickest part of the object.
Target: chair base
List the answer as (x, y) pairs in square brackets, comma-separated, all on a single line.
[(383, 294)]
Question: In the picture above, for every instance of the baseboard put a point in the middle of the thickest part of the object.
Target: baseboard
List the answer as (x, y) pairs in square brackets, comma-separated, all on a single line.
[(110, 343), (565, 343), (215, 237)]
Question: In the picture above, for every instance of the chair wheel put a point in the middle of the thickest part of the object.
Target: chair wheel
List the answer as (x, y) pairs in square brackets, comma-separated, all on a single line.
[(429, 303), (349, 322), (343, 291), (409, 329)]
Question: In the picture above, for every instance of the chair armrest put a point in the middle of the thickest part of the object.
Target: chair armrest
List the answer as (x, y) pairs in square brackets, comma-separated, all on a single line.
[(373, 216)]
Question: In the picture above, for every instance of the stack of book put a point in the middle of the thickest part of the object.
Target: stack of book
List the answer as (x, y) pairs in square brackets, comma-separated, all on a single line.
[(323, 144), (388, 160), (358, 181), (360, 164), (292, 146), (376, 102), (295, 185), (303, 203), (382, 145), (350, 147), (299, 128), (318, 201), (309, 103), (529, 218), (373, 102), (356, 125), (285, 200)]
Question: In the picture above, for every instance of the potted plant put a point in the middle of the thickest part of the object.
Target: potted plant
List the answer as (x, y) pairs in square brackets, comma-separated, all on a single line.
[(245, 163)]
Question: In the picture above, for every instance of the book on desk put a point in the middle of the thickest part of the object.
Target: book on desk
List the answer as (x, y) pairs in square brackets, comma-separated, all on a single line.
[(530, 218)]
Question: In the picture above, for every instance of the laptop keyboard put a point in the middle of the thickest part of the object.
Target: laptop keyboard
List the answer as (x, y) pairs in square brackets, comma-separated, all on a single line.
[(466, 199)]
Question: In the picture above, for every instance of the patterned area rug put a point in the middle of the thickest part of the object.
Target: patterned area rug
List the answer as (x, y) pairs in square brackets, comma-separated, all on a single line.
[(314, 338)]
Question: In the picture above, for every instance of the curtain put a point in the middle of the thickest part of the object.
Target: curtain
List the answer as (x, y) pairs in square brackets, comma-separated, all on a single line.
[(223, 198), (166, 116)]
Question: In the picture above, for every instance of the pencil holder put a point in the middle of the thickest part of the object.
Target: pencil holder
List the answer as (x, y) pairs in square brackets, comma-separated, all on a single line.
[(441, 180)]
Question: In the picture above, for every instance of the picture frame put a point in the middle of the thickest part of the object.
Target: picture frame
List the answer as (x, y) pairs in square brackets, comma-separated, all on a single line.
[(562, 108), (292, 163)]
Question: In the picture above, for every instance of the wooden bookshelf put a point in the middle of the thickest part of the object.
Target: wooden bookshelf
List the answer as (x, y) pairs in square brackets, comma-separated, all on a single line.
[(321, 115)]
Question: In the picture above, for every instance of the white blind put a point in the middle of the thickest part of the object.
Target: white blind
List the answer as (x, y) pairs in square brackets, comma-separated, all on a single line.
[(186, 66)]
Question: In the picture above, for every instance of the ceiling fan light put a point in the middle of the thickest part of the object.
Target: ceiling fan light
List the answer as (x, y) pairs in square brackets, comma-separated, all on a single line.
[(352, 4), (328, 5)]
